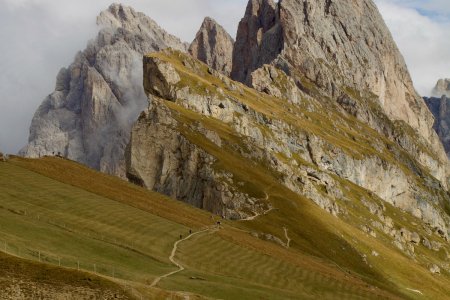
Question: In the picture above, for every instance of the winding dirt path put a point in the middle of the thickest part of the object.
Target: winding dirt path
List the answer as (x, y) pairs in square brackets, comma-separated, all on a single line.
[(266, 198), (288, 243), (415, 291), (172, 257)]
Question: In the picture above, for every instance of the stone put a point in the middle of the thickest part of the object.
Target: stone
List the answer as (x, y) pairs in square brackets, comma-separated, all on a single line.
[(415, 238), (213, 46), (435, 269), (426, 243), (405, 235), (436, 246), (162, 82), (88, 117)]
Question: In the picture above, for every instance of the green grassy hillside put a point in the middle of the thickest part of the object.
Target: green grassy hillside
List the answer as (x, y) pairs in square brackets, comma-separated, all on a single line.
[(64, 214)]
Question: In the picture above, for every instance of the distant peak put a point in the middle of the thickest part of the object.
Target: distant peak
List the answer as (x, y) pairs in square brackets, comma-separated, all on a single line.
[(213, 46), (116, 15), (442, 88)]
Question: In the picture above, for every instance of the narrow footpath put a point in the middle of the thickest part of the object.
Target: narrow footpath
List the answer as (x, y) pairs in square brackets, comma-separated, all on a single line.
[(172, 257), (288, 243)]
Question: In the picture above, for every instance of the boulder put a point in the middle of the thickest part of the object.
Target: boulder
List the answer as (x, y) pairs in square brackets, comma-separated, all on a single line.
[(435, 269)]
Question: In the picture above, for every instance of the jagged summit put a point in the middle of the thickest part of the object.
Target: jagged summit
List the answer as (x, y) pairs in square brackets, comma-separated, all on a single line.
[(339, 52), (259, 39), (439, 105), (333, 44), (213, 46), (88, 117), (442, 88)]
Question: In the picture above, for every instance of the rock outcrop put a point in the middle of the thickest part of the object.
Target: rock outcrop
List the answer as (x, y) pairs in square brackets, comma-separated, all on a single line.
[(161, 158), (88, 117), (442, 88), (439, 105), (213, 46), (337, 50)]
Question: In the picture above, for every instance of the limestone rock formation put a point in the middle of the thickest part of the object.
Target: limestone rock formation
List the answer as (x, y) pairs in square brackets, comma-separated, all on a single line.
[(161, 158), (213, 46), (442, 88), (439, 105), (181, 145), (339, 50), (88, 117)]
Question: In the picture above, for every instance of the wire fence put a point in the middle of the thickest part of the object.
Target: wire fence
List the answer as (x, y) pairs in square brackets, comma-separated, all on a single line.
[(65, 261), (22, 249)]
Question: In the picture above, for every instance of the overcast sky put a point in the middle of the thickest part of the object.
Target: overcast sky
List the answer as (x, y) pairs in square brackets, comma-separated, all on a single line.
[(38, 37)]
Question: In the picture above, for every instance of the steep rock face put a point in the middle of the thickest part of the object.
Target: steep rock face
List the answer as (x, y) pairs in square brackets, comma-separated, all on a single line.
[(88, 117), (180, 147), (339, 50), (259, 39), (439, 105), (213, 46), (161, 158)]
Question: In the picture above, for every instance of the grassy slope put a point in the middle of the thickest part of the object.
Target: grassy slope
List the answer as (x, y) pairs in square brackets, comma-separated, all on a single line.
[(30, 280), (137, 241)]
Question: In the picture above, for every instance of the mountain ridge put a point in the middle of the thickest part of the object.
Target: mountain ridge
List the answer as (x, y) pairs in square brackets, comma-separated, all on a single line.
[(321, 146)]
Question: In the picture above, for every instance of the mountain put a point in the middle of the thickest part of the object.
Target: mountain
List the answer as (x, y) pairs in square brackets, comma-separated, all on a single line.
[(335, 48), (442, 88), (348, 131), (88, 117), (438, 105), (213, 46), (315, 166)]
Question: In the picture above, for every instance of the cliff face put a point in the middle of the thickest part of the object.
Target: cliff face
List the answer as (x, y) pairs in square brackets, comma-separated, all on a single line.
[(259, 39), (332, 49), (188, 146), (213, 46), (88, 117), (439, 106)]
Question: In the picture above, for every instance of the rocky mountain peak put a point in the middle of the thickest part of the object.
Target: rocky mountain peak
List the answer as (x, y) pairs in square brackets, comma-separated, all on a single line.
[(340, 52), (439, 105), (213, 46), (88, 117), (258, 39), (442, 88), (117, 15), (334, 45)]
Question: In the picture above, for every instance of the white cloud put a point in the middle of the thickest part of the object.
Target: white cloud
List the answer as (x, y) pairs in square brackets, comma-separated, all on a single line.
[(422, 39)]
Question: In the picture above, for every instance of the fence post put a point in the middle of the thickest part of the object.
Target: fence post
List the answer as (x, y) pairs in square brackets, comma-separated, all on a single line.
[(39, 254), (95, 268), (59, 261), (78, 265)]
